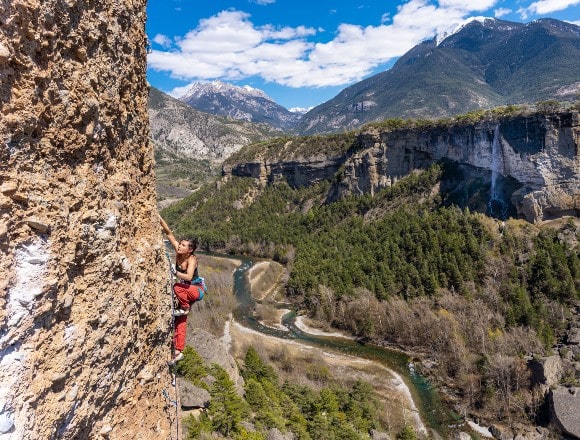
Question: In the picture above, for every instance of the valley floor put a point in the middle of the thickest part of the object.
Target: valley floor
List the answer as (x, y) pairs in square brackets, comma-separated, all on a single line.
[(398, 406)]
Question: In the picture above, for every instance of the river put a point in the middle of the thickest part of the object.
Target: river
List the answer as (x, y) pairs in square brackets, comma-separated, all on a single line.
[(426, 398)]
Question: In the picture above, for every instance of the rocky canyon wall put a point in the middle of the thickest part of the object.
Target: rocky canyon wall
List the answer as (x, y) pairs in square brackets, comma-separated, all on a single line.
[(539, 152), (534, 159), (84, 307)]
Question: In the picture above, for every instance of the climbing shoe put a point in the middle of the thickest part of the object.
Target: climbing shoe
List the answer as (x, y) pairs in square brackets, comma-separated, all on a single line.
[(180, 312), (175, 359)]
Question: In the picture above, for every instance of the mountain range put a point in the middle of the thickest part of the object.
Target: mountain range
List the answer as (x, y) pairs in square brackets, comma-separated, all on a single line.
[(241, 103), (415, 262), (485, 63), (178, 128), (191, 145)]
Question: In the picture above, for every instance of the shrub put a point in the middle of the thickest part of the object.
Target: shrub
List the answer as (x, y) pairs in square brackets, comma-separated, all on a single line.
[(548, 106), (192, 367), (407, 433)]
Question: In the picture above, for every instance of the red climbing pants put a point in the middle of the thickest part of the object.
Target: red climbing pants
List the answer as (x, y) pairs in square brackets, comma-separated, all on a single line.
[(186, 294), (179, 332)]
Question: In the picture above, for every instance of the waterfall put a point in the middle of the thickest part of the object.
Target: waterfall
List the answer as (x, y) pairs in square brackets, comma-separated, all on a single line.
[(496, 207), (494, 162)]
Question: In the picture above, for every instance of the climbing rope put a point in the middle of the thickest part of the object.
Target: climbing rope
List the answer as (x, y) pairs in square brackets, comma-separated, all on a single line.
[(173, 375), (166, 395)]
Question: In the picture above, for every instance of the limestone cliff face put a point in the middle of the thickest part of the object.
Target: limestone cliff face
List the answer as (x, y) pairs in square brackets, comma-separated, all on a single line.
[(83, 306), (539, 152), (532, 161), (297, 172)]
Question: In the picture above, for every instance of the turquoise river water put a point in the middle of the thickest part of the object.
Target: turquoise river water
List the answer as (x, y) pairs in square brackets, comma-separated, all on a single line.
[(433, 413)]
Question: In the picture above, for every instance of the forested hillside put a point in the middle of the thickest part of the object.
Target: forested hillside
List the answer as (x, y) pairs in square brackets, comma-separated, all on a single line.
[(470, 293), (333, 412)]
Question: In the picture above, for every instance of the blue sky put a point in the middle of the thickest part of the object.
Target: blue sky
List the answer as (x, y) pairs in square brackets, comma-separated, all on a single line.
[(302, 53)]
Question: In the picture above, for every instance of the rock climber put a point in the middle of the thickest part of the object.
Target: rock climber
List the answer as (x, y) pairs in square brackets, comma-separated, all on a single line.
[(188, 289)]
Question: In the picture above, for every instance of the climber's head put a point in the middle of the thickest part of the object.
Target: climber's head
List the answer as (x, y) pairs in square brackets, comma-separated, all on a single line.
[(187, 246)]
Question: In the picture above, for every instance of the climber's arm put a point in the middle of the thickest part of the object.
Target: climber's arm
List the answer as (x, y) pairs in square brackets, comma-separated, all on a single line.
[(169, 233)]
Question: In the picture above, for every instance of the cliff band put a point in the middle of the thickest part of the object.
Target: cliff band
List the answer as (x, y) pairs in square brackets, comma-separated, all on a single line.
[(533, 161)]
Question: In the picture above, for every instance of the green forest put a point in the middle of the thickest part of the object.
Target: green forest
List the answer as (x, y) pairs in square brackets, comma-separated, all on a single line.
[(333, 412), (406, 268)]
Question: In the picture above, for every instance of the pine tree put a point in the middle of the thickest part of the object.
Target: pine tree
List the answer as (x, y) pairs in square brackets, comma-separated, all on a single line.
[(226, 409), (255, 368)]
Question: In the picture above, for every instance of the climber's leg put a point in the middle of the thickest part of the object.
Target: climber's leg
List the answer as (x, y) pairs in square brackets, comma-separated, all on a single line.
[(179, 334), (185, 294), (181, 293)]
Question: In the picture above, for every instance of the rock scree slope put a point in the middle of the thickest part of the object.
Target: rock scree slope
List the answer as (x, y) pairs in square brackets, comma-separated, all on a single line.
[(83, 305)]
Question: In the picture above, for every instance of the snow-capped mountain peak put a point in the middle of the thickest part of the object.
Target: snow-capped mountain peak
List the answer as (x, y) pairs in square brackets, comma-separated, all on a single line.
[(220, 87), (256, 92), (243, 103), (456, 27)]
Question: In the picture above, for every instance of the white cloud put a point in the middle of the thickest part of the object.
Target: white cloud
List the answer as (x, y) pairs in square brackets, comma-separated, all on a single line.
[(385, 18), (300, 110), (163, 40), (543, 7), (264, 2), (286, 33), (467, 5), (577, 23), (229, 46), (500, 12), (178, 92)]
